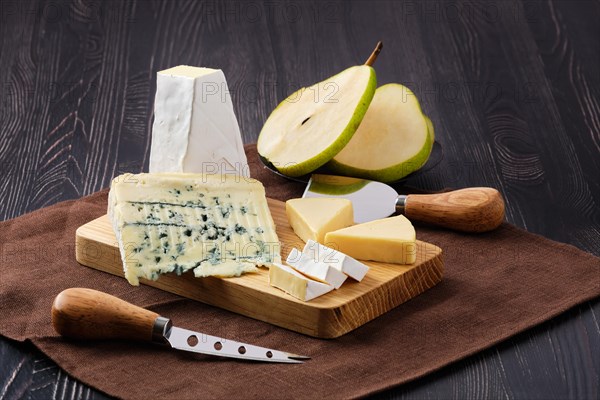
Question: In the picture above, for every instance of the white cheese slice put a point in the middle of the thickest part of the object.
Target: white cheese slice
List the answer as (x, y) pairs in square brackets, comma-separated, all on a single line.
[(342, 262), (215, 225), (294, 283), (195, 128), (315, 269)]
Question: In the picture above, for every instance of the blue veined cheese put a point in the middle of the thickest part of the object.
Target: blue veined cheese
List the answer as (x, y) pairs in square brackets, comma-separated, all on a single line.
[(195, 129), (215, 225)]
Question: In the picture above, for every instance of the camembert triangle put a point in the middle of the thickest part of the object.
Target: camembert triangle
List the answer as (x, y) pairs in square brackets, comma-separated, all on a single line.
[(294, 283), (213, 224), (343, 262), (390, 240), (315, 269), (312, 218)]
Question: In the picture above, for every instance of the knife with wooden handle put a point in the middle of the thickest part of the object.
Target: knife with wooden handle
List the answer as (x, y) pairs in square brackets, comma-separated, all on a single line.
[(477, 209), (80, 313)]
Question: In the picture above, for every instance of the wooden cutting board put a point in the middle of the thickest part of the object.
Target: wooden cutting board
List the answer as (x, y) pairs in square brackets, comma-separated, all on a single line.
[(384, 287)]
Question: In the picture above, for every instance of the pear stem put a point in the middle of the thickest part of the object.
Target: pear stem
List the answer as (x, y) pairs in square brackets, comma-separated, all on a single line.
[(374, 54)]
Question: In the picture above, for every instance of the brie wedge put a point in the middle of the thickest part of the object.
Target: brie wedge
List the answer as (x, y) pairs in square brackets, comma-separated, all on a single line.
[(348, 265), (315, 269), (195, 128), (294, 283)]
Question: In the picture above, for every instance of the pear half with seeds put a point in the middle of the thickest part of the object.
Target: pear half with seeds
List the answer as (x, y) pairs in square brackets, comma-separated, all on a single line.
[(312, 125), (394, 139)]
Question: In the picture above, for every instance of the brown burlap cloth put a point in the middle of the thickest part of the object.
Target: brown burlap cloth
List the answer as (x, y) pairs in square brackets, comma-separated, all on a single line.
[(496, 285)]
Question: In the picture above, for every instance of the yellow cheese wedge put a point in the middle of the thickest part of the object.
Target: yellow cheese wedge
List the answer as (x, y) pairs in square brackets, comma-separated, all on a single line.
[(312, 218), (387, 240)]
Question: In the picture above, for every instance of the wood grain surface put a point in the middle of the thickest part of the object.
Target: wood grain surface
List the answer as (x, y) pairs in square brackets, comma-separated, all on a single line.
[(512, 87), (329, 316)]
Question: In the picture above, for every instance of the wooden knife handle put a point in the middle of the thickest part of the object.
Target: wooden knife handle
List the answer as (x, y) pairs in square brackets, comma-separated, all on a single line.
[(478, 209), (89, 314)]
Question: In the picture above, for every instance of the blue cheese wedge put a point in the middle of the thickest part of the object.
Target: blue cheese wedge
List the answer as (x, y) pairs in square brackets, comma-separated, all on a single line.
[(340, 261), (315, 269), (294, 283), (195, 129), (215, 225)]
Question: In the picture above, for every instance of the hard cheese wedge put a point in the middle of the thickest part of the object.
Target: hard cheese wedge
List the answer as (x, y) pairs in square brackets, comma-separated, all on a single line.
[(342, 262), (195, 128), (387, 240), (312, 218), (292, 282), (315, 269), (215, 225)]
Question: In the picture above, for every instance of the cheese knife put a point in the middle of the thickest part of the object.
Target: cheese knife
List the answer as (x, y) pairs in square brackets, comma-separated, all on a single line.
[(477, 209), (81, 313)]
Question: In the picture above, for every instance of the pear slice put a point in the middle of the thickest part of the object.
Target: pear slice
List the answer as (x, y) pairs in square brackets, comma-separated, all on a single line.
[(313, 124), (393, 140)]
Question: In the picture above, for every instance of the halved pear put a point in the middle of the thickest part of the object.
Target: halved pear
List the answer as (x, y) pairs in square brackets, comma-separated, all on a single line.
[(393, 140), (313, 124)]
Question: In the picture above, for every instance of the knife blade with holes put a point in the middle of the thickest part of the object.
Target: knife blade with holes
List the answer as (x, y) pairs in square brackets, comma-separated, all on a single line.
[(80, 313)]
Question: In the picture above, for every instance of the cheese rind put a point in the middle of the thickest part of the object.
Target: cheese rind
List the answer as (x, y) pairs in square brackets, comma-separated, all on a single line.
[(343, 262), (389, 240), (312, 218), (215, 225), (315, 269), (195, 129), (294, 283)]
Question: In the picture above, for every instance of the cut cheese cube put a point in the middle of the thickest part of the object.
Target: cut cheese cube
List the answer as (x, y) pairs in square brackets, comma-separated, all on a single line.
[(294, 283), (215, 225), (343, 262), (315, 269), (389, 240), (312, 218), (195, 128)]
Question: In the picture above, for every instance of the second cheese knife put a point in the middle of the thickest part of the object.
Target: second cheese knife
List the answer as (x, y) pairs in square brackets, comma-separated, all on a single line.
[(89, 314), (478, 209)]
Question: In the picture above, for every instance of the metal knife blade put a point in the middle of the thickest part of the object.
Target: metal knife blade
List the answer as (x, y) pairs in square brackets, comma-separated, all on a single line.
[(184, 339), (82, 313), (476, 209), (370, 199)]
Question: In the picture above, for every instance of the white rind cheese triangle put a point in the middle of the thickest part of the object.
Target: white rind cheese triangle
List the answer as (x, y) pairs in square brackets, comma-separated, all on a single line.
[(294, 283), (338, 260), (215, 225), (315, 269), (195, 129)]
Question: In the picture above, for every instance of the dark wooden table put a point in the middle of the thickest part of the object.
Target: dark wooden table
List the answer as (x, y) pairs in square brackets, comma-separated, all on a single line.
[(511, 86)]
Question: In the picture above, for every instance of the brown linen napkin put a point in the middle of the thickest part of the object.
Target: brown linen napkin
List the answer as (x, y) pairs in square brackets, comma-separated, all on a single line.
[(496, 285)]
